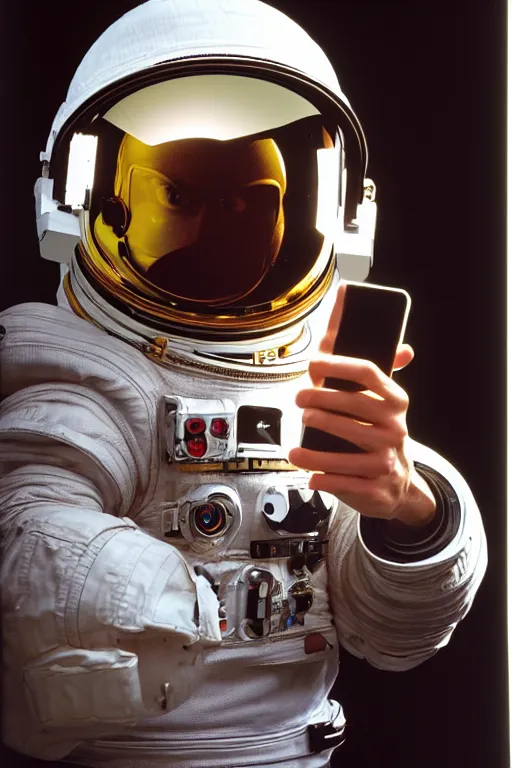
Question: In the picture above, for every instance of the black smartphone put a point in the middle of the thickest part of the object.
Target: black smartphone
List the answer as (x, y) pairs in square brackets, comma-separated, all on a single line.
[(371, 328)]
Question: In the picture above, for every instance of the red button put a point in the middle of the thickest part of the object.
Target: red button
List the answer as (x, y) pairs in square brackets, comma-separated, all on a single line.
[(197, 447), (195, 426), (219, 428), (223, 624), (314, 643)]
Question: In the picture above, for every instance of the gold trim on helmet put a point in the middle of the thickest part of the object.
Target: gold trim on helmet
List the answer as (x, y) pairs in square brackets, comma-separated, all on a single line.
[(139, 294)]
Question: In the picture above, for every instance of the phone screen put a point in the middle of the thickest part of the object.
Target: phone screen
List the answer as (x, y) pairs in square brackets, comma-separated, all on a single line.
[(371, 328)]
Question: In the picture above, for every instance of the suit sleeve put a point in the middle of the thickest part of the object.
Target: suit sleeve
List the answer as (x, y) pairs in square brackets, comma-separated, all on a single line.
[(102, 623), (394, 611)]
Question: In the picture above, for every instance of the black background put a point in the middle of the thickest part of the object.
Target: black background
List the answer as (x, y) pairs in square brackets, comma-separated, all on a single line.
[(427, 81)]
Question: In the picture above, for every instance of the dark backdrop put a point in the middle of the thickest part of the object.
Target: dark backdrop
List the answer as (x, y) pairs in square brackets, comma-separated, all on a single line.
[(427, 80)]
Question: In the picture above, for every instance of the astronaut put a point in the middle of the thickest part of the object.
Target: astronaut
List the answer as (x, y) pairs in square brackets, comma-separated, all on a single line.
[(177, 571)]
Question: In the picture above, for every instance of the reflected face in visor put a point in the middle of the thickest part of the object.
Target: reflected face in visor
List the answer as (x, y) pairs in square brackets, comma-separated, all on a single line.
[(205, 217)]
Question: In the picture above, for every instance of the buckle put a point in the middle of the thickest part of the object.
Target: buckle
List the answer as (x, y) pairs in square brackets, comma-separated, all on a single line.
[(325, 736)]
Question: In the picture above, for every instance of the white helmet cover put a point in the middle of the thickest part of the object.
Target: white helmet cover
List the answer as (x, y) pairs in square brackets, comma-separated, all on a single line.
[(168, 47)]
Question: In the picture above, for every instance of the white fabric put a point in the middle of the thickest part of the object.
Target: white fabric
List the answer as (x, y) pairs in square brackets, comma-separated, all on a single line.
[(165, 30), (97, 606), (429, 598)]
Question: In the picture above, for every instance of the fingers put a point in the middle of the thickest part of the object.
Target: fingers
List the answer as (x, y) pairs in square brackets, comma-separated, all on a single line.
[(404, 356), (363, 372), (371, 465), (358, 405), (369, 437)]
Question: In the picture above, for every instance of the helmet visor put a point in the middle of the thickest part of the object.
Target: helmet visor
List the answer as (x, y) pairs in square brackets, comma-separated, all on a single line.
[(215, 190)]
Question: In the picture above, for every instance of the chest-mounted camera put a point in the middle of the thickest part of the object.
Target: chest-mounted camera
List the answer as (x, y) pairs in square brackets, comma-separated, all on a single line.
[(207, 517)]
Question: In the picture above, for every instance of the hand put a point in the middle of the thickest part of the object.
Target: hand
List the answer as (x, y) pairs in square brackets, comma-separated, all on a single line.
[(382, 482)]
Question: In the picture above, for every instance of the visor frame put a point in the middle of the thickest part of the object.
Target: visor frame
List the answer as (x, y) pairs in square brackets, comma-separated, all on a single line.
[(328, 104), (239, 323)]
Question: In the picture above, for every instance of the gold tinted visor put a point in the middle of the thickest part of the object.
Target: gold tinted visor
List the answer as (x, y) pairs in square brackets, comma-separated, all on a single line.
[(205, 218), (212, 201)]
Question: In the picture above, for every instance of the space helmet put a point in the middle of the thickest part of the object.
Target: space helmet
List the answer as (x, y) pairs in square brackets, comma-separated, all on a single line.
[(204, 184)]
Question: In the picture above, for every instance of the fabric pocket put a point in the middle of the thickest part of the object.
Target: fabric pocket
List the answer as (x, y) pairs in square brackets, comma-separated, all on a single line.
[(85, 688)]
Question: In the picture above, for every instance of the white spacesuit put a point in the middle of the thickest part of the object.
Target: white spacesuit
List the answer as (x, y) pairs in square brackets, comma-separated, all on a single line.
[(172, 591)]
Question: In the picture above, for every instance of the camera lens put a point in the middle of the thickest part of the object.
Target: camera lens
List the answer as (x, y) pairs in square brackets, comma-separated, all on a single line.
[(210, 518)]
